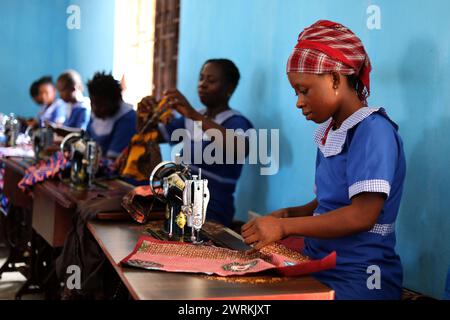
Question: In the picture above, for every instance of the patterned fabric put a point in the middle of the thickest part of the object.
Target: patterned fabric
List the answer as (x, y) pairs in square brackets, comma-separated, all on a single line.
[(44, 170), (143, 152), (153, 254), (328, 46), (141, 204)]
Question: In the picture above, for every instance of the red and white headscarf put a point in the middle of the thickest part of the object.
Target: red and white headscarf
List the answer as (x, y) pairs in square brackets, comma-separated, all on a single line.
[(327, 47)]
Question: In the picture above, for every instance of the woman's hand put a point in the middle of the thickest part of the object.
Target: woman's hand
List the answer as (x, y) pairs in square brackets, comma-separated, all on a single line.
[(176, 100), (262, 231), (147, 105)]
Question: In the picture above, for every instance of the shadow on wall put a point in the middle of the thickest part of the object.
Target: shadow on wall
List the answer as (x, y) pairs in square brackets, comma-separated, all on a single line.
[(424, 220), (253, 188)]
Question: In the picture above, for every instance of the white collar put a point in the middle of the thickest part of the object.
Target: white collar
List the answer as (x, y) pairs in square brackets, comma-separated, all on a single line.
[(222, 116), (336, 138), (102, 127)]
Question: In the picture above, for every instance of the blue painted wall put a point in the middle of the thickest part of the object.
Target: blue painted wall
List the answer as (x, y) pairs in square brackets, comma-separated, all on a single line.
[(410, 56), (91, 48), (35, 41)]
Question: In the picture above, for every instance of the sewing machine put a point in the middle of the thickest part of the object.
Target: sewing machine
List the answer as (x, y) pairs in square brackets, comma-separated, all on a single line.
[(42, 139), (186, 197), (84, 154), (11, 129)]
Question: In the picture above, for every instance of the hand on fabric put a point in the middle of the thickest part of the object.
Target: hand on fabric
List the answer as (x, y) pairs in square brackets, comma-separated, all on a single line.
[(176, 100), (147, 105), (262, 231)]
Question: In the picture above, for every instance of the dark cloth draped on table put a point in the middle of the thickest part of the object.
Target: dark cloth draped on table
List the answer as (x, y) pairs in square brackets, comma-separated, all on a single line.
[(81, 248)]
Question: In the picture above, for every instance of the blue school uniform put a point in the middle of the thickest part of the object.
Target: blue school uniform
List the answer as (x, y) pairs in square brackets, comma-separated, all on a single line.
[(78, 114), (114, 134), (364, 155), (222, 178), (56, 113)]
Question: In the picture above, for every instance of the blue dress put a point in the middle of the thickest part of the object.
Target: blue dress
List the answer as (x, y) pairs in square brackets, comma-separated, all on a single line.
[(222, 178), (115, 133), (78, 114), (56, 113), (364, 155)]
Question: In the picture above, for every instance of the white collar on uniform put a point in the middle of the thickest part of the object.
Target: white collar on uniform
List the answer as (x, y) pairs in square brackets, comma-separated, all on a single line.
[(220, 118), (336, 138), (103, 127)]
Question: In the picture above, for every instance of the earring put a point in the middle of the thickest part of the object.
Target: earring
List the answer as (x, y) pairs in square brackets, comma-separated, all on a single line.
[(336, 93)]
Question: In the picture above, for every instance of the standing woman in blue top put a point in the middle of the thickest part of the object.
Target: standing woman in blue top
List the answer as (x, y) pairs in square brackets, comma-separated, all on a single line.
[(113, 122), (78, 110), (217, 82), (360, 169)]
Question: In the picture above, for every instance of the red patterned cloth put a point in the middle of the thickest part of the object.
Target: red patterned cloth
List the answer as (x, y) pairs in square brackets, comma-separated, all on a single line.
[(153, 254), (328, 46), (45, 169)]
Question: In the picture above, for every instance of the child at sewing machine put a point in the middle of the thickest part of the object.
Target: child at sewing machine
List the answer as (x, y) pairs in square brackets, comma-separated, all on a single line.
[(78, 110), (217, 82), (51, 108), (360, 169), (113, 122)]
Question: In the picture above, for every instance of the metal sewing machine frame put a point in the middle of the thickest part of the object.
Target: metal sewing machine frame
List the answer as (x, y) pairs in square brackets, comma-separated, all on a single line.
[(12, 129), (84, 154), (186, 197), (42, 139)]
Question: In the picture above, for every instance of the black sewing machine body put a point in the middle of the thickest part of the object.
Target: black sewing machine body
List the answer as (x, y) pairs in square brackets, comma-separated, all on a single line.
[(84, 155)]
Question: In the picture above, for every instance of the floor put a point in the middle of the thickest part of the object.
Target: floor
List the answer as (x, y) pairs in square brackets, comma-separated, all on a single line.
[(11, 282)]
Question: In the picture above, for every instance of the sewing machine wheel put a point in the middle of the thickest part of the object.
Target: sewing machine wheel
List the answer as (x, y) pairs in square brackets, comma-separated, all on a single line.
[(161, 171)]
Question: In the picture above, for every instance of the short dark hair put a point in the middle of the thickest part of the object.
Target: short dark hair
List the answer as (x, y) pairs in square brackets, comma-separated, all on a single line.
[(104, 85), (229, 69), (34, 88), (71, 78)]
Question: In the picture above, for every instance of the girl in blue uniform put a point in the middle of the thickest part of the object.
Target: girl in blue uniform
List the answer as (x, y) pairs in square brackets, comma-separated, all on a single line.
[(78, 108), (217, 82), (113, 122), (360, 170)]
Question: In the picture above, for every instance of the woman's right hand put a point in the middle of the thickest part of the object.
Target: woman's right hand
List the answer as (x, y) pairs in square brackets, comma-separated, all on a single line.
[(147, 105)]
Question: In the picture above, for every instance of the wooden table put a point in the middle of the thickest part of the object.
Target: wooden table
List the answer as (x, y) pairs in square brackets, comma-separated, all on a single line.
[(18, 227), (117, 240), (14, 171), (55, 203)]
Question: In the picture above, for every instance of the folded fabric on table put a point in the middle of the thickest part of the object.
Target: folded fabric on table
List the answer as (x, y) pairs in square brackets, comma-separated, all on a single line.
[(141, 204), (154, 254), (44, 170)]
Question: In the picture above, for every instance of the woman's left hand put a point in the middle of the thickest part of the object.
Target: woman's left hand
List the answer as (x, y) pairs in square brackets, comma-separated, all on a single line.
[(176, 100), (262, 231)]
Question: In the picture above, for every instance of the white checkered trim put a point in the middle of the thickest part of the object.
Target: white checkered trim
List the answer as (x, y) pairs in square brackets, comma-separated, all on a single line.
[(375, 185), (381, 229), (336, 139)]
